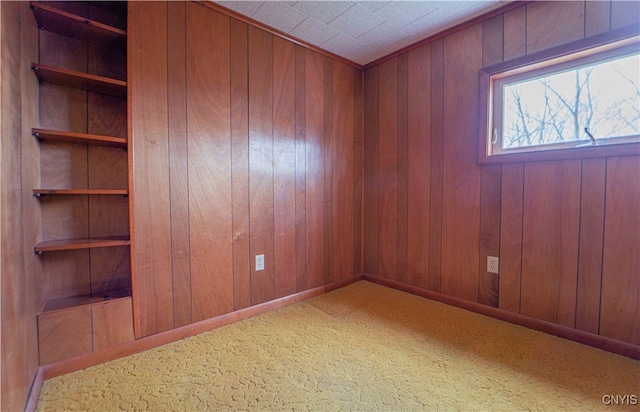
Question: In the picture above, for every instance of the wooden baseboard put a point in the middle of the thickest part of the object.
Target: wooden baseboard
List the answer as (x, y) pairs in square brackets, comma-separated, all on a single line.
[(597, 341), (32, 400), (153, 341)]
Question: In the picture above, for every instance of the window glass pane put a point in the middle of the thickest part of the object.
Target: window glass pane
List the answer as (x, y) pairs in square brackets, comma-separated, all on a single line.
[(556, 108)]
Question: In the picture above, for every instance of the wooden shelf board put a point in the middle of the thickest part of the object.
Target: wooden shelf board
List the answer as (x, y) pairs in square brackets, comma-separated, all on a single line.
[(79, 80), (40, 192), (74, 244), (78, 138), (83, 300), (71, 25)]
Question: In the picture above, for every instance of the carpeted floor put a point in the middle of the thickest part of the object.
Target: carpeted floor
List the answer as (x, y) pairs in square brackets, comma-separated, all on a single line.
[(362, 347)]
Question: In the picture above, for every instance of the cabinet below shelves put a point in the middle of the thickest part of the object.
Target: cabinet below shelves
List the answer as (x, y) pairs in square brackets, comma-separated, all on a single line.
[(75, 244), (79, 80)]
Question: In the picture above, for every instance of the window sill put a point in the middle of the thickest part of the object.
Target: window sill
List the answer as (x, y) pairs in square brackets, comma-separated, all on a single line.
[(586, 152)]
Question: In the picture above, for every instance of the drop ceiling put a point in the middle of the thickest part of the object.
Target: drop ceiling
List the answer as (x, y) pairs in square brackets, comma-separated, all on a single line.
[(361, 31)]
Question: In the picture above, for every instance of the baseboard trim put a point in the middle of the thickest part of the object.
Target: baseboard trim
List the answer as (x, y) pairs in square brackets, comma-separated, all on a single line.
[(34, 393), (173, 335), (597, 341)]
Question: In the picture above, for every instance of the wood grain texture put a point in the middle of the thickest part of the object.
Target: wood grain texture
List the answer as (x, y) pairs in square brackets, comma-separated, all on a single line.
[(314, 121), (553, 23), (550, 234), (301, 165), (491, 176), (437, 165), (515, 33), (493, 40), (21, 284), (358, 171), (461, 174), (343, 184), (489, 283), (388, 169), (597, 17), (284, 161), (209, 164), (64, 334), (403, 171), (178, 162), (328, 167), (112, 323), (240, 165), (261, 163), (511, 200), (620, 308), (149, 183), (371, 189), (592, 200), (624, 13), (418, 166)]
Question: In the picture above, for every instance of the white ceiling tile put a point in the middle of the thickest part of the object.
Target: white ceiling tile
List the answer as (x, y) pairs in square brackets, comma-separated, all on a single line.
[(323, 11), (247, 8), (401, 13), (342, 45), (383, 35), (356, 21), (279, 16), (373, 5), (313, 31)]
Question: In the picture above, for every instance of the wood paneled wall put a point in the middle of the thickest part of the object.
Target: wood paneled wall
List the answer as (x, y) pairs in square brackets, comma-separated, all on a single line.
[(566, 232), (242, 143), (21, 285)]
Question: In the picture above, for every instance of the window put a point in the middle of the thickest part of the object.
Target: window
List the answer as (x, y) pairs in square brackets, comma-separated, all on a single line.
[(578, 100)]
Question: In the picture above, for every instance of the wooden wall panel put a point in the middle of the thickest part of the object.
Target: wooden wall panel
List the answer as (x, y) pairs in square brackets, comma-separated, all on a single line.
[(552, 23), (371, 188), (261, 165), (624, 13), (328, 168), (240, 164), (388, 169), (461, 174), (314, 123), (21, 287), (620, 309), (343, 167), (511, 207), (402, 166), (597, 17), (437, 165), (515, 33), (550, 231), (418, 166), (358, 171), (149, 177), (209, 148), (301, 169), (178, 162), (284, 161), (591, 242)]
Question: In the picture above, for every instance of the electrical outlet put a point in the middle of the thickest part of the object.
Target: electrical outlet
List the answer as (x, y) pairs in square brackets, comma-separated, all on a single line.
[(259, 262), (492, 264)]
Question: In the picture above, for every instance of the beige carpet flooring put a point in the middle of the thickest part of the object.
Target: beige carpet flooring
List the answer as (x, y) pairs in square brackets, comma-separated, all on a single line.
[(362, 347)]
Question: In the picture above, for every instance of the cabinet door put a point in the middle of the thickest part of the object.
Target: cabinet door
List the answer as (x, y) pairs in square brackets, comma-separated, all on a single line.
[(64, 334), (112, 323)]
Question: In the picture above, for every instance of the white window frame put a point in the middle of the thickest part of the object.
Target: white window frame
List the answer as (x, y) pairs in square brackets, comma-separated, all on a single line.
[(593, 49)]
